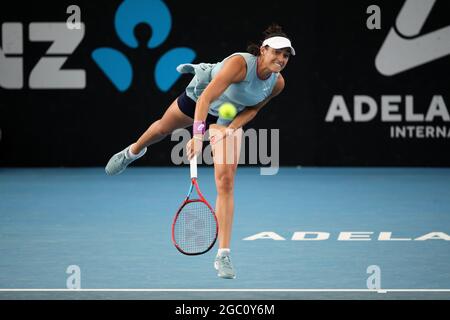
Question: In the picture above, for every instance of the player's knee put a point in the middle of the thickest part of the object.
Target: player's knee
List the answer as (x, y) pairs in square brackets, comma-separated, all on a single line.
[(225, 183), (161, 129)]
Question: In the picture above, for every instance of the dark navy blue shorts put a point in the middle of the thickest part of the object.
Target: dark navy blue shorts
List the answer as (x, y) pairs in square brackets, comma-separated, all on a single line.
[(187, 106)]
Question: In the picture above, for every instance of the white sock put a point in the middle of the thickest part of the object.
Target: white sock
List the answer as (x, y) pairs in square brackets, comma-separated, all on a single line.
[(223, 251), (131, 155)]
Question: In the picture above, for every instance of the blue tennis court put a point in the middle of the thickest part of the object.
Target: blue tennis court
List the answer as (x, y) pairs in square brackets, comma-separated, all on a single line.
[(304, 233)]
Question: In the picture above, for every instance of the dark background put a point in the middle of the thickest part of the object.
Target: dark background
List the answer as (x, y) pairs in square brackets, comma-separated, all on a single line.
[(335, 56)]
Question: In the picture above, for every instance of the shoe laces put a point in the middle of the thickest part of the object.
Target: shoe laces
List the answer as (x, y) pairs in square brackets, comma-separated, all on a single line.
[(226, 262), (123, 158)]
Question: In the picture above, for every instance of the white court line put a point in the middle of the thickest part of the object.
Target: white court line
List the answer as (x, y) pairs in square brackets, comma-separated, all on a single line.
[(225, 290)]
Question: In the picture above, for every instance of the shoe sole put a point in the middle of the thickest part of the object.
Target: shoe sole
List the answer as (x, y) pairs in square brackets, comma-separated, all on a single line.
[(109, 173), (226, 277)]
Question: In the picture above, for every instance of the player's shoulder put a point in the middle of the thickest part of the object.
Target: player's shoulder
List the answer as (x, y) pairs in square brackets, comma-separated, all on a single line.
[(236, 65), (237, 61)]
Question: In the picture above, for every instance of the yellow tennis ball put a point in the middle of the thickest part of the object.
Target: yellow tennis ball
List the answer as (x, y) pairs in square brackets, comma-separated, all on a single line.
[(227, 111)]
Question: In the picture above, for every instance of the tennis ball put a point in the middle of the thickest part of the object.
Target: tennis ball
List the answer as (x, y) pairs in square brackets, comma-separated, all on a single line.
[(227, 111)]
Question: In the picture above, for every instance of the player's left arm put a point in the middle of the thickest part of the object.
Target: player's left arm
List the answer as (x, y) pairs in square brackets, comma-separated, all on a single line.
[(249, 113)]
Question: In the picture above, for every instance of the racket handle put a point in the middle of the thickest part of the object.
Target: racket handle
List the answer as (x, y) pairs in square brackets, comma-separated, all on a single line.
[(194, 167)]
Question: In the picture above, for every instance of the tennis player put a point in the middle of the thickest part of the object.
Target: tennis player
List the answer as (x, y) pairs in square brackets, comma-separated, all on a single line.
[(247, 80)]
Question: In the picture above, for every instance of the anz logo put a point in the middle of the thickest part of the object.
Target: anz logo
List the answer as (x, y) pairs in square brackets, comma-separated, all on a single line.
[(116, 65), (48, 72)]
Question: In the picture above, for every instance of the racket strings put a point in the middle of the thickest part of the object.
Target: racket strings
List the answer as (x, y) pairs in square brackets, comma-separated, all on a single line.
[(195, 228)]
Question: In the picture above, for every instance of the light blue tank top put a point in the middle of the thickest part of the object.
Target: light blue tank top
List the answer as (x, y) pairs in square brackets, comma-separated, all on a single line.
[(246, 93)]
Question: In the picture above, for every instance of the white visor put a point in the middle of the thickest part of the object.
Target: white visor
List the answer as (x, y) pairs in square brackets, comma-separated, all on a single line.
[(279, 43)]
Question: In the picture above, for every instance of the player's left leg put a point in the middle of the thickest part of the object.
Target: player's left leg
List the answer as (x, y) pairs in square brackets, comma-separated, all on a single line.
[(226, 154), (172, 119)]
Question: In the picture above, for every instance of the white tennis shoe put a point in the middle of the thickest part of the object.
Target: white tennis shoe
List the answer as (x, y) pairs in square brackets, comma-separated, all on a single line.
[(223, 265), (120, 161)]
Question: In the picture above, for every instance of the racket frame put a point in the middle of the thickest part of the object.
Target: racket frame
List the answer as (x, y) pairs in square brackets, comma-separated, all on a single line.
[(187, 200)]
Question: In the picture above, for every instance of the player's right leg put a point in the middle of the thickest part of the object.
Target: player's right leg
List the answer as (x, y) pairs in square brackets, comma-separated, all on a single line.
[(172, 119)]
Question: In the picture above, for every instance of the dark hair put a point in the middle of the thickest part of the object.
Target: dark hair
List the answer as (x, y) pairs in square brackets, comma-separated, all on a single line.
[(273, 30)]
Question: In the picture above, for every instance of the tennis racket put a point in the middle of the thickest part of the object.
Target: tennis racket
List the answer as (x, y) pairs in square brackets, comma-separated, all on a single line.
[(195, 227)]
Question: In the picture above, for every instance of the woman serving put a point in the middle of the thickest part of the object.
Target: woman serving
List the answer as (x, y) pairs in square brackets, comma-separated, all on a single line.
[(247, 80)]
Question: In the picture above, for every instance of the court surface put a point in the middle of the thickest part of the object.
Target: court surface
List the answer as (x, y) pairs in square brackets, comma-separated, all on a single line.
[(117, 230)]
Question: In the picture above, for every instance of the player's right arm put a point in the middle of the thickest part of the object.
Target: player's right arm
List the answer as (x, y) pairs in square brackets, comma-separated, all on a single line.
[(233, 70)]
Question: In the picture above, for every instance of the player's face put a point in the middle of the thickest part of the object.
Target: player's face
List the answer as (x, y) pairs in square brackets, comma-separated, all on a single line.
[(276, 59)]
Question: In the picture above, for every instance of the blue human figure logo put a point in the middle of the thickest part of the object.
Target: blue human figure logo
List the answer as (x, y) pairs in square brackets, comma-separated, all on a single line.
[(129, 14)]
